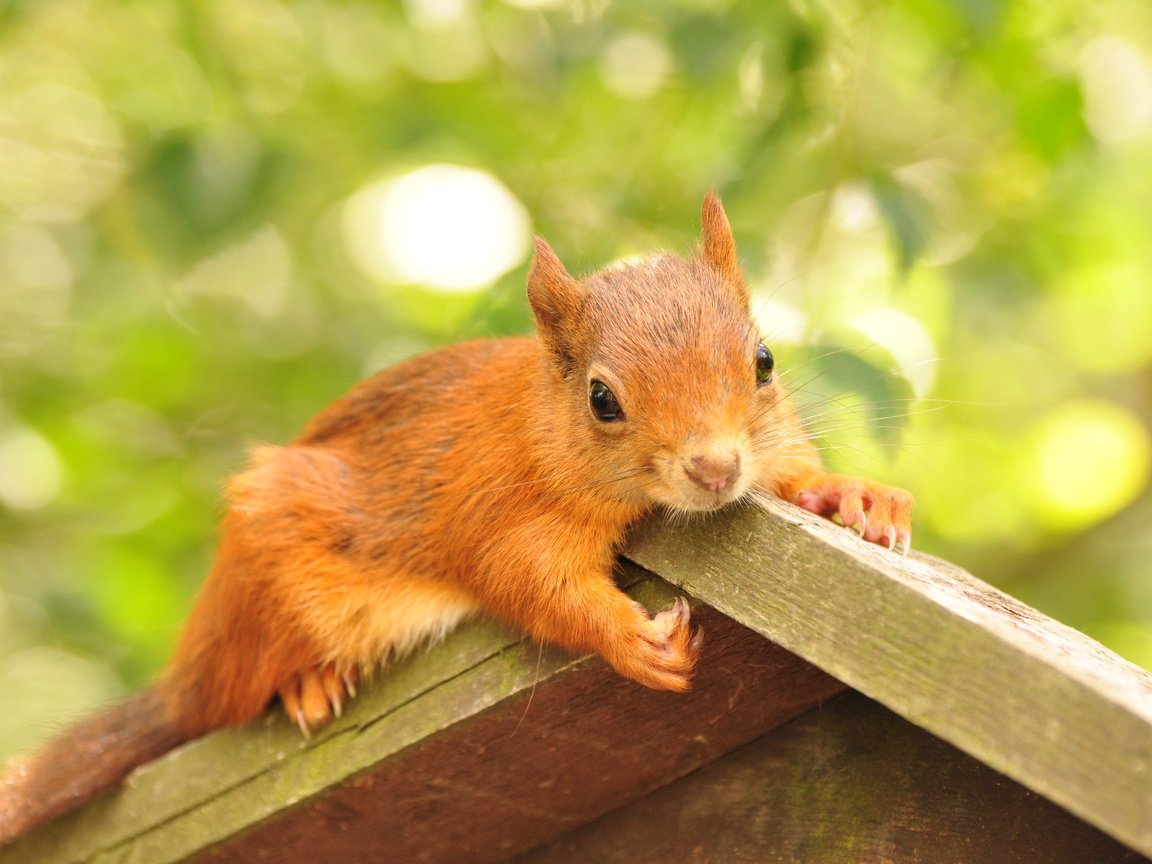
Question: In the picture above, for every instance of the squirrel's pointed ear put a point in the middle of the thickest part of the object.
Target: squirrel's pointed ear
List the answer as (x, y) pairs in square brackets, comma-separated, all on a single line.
[(717, 246), (555, 298)]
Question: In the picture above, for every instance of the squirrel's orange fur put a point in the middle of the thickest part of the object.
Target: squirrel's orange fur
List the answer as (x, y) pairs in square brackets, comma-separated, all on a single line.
[(478, 478)]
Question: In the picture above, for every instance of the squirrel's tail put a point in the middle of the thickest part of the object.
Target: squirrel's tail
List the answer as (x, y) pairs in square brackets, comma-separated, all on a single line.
[(84, 761)]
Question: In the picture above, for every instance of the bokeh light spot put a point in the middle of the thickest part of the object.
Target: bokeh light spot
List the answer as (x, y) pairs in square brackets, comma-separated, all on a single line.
[(442, 226), (30, 471), (1092, 458), (1116, 78), (636, 65)]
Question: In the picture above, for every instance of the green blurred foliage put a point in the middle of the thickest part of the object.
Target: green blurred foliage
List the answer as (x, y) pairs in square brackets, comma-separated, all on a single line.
[(943, 208)]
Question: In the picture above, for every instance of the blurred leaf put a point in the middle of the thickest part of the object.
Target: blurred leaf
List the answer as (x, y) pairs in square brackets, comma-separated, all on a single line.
[(196, 191), (1050, 117), (982, 15), (905, 215), (11, 10), (851, 400)]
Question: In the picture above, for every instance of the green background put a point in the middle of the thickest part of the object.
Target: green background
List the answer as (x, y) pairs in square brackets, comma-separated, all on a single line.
[(944, 209)]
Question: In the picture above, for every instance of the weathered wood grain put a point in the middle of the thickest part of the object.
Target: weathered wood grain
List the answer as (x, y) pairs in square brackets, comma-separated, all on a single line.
[(1033, 699), (474, 752), (847, 784)]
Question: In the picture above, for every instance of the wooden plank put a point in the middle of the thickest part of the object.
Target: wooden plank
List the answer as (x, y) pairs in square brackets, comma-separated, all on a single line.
[(1028, 696), (159, 794), (849, 783), (476, 751)]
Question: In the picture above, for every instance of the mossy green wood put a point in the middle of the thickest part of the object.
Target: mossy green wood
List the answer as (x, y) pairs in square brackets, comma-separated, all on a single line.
[(1038, 701), (221, 784)]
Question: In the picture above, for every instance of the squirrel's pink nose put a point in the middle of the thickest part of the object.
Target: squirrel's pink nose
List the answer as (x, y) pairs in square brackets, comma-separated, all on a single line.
[(714, 471)]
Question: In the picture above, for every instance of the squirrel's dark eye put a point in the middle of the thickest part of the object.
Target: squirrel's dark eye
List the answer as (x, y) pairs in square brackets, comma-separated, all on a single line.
[(603, 402), (765, 363)]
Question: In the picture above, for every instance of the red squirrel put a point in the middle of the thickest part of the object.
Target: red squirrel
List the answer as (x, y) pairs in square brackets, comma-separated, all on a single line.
[(495, 477)]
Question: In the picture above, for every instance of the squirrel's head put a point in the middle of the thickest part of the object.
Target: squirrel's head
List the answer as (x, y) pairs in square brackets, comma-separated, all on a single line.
[(661, 363)]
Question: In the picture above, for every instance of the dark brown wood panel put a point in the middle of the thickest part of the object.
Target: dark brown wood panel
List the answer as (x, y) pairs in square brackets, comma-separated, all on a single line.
[(846, 784)]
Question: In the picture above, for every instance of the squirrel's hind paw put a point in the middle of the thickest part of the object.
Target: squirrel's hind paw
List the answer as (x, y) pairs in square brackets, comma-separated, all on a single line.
[(314, 698)]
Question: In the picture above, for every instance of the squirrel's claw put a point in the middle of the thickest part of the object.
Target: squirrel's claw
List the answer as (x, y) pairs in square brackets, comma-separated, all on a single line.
[(316, 697), (303, 724), (290, 698), (333, 690)]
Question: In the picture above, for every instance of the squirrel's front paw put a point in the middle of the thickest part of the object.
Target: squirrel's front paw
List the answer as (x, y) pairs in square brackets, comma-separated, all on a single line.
[(661, 652), (313, 698), (880, 514)]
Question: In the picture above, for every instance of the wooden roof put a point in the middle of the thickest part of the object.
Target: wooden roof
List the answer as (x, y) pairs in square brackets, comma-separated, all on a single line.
[(487, 747)]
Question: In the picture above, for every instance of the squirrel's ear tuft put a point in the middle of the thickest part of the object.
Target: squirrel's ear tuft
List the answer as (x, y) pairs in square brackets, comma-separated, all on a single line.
[(717, 246), (555, 297)]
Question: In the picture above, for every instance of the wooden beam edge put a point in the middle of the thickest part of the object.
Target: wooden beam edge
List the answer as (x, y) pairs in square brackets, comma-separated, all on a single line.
[(1032, 698)]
